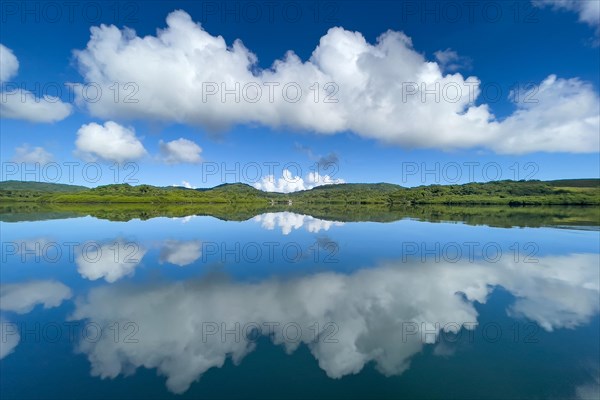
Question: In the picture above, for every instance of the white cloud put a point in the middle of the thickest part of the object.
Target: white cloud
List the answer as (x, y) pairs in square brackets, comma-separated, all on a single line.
[(289, 221), (588, 10), (18, 103), (187, 185), (110, 142), (591, 390), (111, 261), (180, 151), (292, 183), (180, 253), (374, 91), (10, 338), (9, 65), (560, 113), (22, 104), (450, 61), (369, 307), (22, 297), (25, 154)]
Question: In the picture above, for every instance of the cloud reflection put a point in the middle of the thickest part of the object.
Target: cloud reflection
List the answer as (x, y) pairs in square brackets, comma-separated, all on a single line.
[(111, 261), (180, 252), (288, 221), (369, 306), (21, 298)]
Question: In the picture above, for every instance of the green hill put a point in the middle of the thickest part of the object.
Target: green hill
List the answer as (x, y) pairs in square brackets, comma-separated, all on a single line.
[(41, 187), (125, 193), (581, 192)]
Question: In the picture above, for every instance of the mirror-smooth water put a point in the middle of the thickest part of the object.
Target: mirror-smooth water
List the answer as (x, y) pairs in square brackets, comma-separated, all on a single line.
[(287, 305)]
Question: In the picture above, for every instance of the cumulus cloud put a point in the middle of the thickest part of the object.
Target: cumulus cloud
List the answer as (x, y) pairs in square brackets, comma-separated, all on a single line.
[(9, 65), (22, 104), (288, 221), (292, 183), (180, 253), (36, 155), (23, 297), (180, 151), (111, 261), (109, 142), (18, 103), (369, 308), (376, 91), (187, 185), (560, 111), (588, 11)]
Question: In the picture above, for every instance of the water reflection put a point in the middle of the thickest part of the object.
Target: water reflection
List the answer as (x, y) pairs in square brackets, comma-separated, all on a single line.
[(112, 260), (21, 298), (573, 217), (590, 391), (374, 312), (383, 295), (179, 252), (288, 221)]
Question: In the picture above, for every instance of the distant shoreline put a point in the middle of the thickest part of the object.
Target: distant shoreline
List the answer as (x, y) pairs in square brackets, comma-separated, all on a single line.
[(512, 193)]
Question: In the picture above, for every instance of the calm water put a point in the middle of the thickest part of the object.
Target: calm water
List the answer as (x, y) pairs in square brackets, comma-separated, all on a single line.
[(285, 305)]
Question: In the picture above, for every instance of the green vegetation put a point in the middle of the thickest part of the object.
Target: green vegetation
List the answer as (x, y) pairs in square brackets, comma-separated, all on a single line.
[(500, 192), (33, 191), (497, 216), (574, 183), (347, 193), (500, 203), (40, 187), (564, 192)]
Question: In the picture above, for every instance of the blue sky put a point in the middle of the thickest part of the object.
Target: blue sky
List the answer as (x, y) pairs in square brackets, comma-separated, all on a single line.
[(548, 50)]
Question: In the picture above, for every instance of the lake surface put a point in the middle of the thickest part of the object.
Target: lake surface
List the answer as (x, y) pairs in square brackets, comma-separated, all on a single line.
[(289, 305)]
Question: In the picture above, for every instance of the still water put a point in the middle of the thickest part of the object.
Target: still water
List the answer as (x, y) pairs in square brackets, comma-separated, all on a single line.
[(287, 305)]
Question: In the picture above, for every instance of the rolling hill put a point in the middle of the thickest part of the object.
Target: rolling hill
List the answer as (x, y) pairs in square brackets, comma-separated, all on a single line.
[(561, 192)]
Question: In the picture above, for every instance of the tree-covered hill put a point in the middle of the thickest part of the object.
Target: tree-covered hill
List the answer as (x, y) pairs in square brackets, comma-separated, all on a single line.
[(570, 192), (41, 186)]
